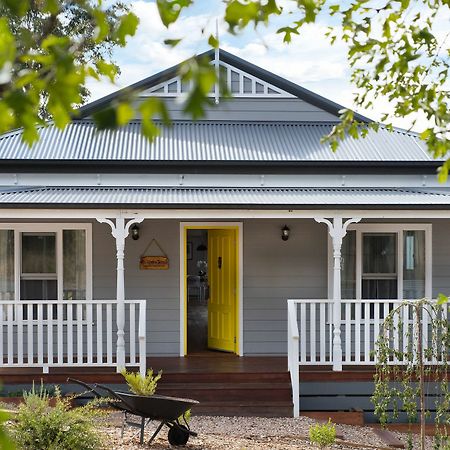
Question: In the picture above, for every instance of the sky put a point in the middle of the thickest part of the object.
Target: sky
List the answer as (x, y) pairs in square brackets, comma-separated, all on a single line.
[(309, 60)]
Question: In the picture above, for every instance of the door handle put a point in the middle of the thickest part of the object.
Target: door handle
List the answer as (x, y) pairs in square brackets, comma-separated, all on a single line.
[(219, 262)]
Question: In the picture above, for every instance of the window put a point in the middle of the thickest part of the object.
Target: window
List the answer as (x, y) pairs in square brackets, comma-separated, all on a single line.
[(7, 265), (45, 261), (386, 261), (38, 279)]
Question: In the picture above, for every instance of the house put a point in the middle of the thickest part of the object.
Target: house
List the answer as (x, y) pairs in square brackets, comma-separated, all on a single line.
[(243, 213)]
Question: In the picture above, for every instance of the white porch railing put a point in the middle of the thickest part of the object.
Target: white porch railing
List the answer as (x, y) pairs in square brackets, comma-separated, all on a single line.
[(311, 331), (70, 333)]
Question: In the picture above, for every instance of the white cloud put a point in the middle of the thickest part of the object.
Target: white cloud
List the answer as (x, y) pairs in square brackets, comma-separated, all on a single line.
[(309, 60)]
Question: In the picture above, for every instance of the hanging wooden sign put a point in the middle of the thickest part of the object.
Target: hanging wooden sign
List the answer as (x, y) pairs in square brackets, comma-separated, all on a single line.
[(154, 262)]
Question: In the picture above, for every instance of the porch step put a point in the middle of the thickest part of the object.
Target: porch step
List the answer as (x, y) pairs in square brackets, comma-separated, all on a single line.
[(265, 394), (214, 392)]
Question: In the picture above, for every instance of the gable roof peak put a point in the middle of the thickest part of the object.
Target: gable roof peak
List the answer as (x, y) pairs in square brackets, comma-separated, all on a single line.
[(259, 81)]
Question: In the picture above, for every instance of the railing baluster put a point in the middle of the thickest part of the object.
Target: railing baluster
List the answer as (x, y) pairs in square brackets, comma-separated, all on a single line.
[(89, 333), (99, 326), (70, 333), (405, 327), (385, 314), (10, 328), (132, 329), (366, 332), (60, 332), (376, 325), (396, 336), (357, 333), (425, 344), (109, 336), (18, 309), (30, 331), (79, 308), (40, 334), (142, 338), (322, 327), (302, 332), (348, 332), (49, 334)]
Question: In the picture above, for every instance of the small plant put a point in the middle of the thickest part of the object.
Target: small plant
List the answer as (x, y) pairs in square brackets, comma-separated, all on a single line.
[(142, 385), (323, 435), (37, 425)]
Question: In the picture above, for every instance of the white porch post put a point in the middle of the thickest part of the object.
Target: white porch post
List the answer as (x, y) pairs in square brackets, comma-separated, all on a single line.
[(337, 229), (120, 231)]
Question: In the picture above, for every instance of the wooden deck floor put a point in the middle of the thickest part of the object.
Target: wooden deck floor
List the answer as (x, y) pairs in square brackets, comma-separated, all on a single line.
[(203, 363)]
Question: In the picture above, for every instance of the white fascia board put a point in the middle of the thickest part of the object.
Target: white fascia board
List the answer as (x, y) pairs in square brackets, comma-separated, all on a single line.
[(221, 180), (214, 214)]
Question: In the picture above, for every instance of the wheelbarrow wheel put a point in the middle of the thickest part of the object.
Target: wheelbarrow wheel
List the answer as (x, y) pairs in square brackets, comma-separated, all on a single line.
[(178, 435)]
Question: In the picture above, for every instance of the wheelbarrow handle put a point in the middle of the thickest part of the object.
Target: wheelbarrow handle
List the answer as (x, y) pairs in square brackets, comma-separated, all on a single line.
[(87, 386), (115, 396)]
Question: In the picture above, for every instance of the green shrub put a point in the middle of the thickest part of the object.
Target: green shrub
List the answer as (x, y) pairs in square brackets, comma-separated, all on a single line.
[(141, 385), (323, 435), (39, 426)]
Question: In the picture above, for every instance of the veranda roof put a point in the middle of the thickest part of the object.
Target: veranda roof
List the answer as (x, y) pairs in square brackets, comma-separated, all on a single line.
[(204, 142), (239, 198)]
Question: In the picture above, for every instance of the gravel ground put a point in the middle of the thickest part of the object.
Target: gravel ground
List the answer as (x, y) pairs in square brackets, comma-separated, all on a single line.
[(251, 433)]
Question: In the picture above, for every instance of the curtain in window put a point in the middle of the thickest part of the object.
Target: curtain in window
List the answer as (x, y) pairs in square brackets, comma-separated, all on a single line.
[(348, 266), (6, 265), (74, 264), (414, 264)]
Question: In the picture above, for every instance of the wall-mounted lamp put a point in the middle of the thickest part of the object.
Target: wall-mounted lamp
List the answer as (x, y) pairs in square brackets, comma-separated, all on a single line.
[(285, 233), (135, 232)]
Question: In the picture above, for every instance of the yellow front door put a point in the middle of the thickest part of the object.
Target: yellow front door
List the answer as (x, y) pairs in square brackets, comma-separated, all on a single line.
[(222, 278)]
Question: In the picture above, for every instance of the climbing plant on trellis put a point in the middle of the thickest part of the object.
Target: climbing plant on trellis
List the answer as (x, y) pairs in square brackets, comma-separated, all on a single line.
[(412, 356)]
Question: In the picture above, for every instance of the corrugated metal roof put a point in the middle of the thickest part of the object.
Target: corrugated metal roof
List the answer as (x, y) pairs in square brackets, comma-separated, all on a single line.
[(206, 197), (211, 142)]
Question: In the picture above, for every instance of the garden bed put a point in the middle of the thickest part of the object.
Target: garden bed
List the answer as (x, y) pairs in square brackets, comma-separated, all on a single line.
[(253, 433)]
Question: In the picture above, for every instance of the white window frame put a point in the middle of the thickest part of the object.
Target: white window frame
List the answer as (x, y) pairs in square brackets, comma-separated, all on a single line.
[(57, 228), (399, 229)]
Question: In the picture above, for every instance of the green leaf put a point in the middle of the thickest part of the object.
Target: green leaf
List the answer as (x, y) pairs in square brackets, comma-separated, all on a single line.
[(52, 6), (442, 299), (169, 10), (213, 42), (7, 44), (128, 26), (102, 28), (124, 113), (105, 119), (172, 42), (106, 69), (17, 7)]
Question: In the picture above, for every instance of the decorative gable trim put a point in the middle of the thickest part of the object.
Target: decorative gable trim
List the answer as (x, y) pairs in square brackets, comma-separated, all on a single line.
[(239, 83), (237, 63)]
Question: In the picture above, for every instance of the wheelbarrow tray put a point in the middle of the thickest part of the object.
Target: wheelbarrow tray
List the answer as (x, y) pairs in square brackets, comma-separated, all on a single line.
[(155, 407)]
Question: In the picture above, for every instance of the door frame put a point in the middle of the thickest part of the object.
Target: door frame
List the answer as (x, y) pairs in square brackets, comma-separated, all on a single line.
[(184, 227)]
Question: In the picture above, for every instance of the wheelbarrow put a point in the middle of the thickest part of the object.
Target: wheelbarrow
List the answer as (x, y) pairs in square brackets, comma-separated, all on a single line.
[(168, 411)]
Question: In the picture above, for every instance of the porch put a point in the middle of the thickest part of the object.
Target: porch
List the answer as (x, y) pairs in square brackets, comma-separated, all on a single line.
[(98, 337)]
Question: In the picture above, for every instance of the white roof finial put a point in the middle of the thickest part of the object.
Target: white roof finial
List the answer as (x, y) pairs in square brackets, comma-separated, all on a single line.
[(216, 64)]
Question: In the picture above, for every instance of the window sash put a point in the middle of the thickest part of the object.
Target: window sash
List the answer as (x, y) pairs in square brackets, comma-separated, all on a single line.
[(359, 276), (56, 229)]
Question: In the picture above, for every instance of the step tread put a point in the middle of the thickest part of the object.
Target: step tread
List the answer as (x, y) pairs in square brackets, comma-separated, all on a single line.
[(214, 386), (246, 403)]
